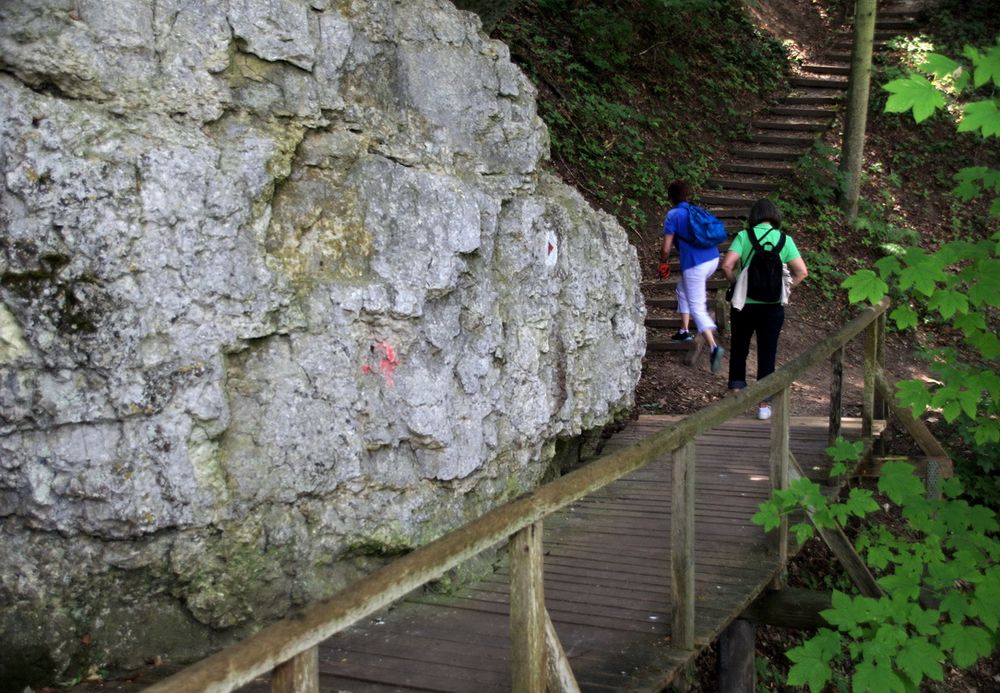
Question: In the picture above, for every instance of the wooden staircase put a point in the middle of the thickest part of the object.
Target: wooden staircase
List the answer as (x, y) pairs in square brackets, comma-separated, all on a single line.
[(758, 166)]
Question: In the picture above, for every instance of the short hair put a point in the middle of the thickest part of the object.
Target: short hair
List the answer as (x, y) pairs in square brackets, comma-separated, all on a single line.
[(678, 191), (764, 210)]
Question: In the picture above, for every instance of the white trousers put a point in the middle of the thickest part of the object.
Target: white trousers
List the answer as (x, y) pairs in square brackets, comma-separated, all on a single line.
[(691, 297)]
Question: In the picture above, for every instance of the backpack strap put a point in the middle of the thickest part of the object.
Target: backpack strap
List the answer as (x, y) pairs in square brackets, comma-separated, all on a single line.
[(756, 245)]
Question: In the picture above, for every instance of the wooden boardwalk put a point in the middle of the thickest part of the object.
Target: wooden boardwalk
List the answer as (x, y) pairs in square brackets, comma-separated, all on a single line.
[(607, 579)]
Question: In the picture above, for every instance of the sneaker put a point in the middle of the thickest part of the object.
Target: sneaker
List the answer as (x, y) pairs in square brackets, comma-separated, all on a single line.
[(717, 353), (682, 336), (764, 412)]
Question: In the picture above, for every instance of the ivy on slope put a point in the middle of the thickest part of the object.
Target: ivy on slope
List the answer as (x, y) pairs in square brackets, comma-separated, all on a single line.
[(639, 92)]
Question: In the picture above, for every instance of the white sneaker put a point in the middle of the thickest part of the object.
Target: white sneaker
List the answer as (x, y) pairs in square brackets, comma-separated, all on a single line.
[(764, 412)]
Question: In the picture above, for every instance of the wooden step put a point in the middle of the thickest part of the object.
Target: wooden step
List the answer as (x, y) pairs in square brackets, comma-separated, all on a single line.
[(782, 140), (895, 24), (801, 112), (741, 184), (724, 200), (789, 127), (667, 345), (756, 169), (814, 100), (841, 70), (663, 323), (664, 303), (717, 281), (766, 155), (817, 83)]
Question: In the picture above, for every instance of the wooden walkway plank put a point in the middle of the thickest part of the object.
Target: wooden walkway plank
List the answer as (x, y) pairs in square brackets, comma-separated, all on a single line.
[(607, 580)]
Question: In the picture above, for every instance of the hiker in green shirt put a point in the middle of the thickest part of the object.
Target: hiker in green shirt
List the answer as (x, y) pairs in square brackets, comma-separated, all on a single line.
[(763, 318)]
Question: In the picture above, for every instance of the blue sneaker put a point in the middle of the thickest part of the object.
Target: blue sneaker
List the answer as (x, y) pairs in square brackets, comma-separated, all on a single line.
[(681, 336), (717, 353)]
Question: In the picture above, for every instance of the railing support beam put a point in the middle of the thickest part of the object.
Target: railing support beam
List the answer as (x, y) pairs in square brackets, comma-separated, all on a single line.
[(836, 394), (682, 546), (559, 672), (868, 398), (780, 451), (527, 611)]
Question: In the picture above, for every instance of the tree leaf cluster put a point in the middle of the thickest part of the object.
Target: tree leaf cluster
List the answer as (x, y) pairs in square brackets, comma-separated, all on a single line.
[(940, 575)]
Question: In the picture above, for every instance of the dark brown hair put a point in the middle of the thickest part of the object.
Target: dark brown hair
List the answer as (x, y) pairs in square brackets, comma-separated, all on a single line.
[(764, 210), (678, 191)]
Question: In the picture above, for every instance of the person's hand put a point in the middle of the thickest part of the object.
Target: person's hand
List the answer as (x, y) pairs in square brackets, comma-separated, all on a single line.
[(663, 270)]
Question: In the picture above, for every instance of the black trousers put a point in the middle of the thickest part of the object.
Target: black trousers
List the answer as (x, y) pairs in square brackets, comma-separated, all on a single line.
[(764, 320)]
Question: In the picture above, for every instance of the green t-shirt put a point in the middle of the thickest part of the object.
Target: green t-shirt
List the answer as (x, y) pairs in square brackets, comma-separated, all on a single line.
[(766, 236)]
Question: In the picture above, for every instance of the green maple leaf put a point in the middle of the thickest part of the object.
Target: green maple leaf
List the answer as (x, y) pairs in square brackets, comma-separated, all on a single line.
[(844, 450), (899, 483), (767, 516), (947, 303), (888, 266), (956, 605), (878, 557), (922, 276), (914, 93), (986, 289), (869, 676), (987, 67), (918, 658), (939, 65), (987, 343), (913, 394), (967, 643), (969, 402), (981, 115), (970, 323), (904, 317), (812, 672), (860, 502), (969, 182), (865, 285)]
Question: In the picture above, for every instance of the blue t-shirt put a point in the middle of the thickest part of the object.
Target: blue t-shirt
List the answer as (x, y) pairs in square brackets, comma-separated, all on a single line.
[(676, 224)]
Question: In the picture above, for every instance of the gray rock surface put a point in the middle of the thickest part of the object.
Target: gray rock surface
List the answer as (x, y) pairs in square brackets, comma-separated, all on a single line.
[(284, 290)]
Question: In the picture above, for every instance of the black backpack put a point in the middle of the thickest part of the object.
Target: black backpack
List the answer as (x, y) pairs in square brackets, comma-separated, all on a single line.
[(764, 273)]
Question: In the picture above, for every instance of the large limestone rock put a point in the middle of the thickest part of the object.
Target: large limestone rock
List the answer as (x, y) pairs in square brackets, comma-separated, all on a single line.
[(283, 288)]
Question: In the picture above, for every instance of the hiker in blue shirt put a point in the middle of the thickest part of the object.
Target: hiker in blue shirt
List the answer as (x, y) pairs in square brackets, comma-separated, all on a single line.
[(697, 265)]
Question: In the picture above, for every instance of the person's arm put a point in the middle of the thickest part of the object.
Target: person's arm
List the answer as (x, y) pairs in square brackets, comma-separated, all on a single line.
[(668, 243), (798, 269), (729, 265)]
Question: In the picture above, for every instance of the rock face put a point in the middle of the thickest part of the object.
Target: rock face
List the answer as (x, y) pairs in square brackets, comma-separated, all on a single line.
[(283, 290)]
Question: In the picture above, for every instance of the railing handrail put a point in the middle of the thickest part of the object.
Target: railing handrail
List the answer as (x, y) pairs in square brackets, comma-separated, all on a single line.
[(241, 662)]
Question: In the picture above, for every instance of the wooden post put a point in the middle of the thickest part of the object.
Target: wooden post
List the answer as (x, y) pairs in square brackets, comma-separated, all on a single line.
[(868, 398), (300, 674), (527, 611), (682, 547), (737, 673), (836, 394), (780, 451), (879, 409)]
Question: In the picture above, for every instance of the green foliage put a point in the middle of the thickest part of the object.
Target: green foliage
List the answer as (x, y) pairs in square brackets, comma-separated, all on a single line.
[(959, 283), (940, 575), (621, 84)]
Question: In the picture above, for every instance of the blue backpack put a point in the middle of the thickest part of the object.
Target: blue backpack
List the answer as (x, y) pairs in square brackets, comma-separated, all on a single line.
[(705, 230)]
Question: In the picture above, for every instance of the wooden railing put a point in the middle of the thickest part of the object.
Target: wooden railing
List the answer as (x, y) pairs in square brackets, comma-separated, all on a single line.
[(288, 648)]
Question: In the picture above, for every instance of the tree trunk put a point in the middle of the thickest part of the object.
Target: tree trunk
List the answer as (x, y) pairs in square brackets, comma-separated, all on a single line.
[(851, 155)]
